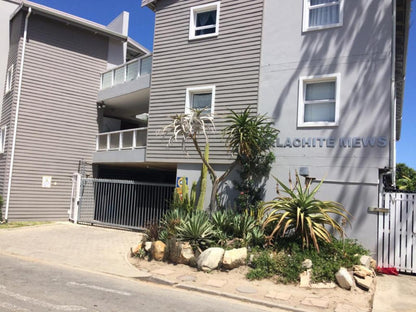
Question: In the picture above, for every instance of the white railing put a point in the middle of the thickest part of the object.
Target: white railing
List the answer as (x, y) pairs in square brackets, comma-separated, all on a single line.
[(121, 140), (126, 72)]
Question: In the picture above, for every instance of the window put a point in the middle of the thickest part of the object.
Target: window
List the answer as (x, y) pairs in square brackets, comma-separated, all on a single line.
[(319, 14), (9, 79), (200, 98), (319, 101), (2, 139), (204, 21)]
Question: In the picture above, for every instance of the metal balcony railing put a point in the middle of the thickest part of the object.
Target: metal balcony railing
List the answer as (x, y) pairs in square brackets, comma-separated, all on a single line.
[(127, 72), (121, 140)]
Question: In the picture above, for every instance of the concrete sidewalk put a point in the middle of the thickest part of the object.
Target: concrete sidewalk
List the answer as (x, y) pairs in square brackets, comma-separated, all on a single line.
[(105, 250)]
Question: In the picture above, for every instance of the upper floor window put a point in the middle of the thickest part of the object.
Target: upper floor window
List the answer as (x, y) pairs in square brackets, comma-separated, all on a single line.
[(319, 100), (2, 139), (319, 14), (9, 79), (200, 98), (204, 21)]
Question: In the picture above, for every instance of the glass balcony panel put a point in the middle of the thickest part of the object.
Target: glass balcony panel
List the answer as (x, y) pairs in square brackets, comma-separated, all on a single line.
[(141, 137), (119, 75), (146, 66), (102, 142), (132, 71), (107, 78), (114, 140), (127, 139)]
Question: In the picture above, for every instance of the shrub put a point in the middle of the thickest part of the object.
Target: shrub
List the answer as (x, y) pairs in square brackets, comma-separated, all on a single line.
[(1, 205), (197, 230), (301, 215)]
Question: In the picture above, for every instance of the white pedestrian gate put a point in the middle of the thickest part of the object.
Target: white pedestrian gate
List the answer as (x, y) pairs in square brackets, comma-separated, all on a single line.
[(397, 232)]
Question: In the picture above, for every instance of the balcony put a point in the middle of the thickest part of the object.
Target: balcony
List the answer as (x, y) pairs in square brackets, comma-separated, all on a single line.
[(125, 146), (127, 83)]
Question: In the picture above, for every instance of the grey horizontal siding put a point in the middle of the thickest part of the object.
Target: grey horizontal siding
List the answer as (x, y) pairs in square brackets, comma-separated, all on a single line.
[(9, 100), (57, 117), (230, 61)]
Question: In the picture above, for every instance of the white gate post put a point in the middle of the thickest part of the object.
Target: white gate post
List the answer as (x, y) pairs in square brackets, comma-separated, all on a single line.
[(75, 197)]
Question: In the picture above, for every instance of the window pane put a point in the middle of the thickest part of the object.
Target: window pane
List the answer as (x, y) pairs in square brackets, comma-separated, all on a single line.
[(315, 2), (320, 91), (200, 101), (320, 112), (324, 16), (207, 21)]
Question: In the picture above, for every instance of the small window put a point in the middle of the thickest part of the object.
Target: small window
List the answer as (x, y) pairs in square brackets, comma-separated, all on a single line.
[(200, 98), (9, 79), (204, 21), (319, 14), (319, 101), (2, 139)]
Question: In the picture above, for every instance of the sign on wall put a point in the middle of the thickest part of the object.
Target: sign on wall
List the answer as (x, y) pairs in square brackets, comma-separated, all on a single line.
[(331, 142)]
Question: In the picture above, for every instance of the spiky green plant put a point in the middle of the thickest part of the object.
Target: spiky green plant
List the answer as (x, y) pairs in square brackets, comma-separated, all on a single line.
[(303, 216), (197, 230)]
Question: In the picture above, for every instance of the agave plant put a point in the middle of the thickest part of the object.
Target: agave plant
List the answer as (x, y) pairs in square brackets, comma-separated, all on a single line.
[(197, 230), (300, 214)]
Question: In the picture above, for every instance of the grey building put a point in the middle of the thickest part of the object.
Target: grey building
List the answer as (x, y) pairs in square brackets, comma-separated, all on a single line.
[(329, 73), (49, 113)]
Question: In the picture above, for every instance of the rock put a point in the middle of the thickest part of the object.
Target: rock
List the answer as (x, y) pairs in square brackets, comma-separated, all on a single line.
[(147, 246), (365, 261), (307, 264), (210, 259), (234, 258), (362, 271), (186, 254), (305, 279), (138, 248), (373, 264), (158, 250), (344, 279), (364, 283)]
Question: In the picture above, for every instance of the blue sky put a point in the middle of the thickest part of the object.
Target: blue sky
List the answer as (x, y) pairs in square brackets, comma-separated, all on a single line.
[(141, 29)]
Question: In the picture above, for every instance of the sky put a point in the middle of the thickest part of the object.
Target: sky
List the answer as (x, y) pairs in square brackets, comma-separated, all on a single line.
[(141, 28)]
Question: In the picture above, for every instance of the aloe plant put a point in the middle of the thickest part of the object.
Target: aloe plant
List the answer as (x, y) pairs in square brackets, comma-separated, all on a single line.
[(300, 214)]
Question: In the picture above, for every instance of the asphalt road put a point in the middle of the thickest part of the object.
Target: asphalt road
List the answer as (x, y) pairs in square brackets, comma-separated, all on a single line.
[(39, 287)]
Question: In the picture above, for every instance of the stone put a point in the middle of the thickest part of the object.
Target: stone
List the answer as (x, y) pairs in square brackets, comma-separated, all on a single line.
[(316, 302), (234, 258), (158, 250), (364, 283), (210, 259), (178, 252), (365, 261), (362, 271), (305, 279), (246, 290), (344, 279), (186, 254), (307, 264), (147, 246), (216, 283), (373, 264)]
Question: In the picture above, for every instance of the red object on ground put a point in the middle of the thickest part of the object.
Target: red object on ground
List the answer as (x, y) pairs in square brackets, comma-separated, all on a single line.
[(389, 271)]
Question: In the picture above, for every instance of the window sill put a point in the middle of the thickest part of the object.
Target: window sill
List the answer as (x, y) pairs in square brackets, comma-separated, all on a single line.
[(318, 124), (324, 27), (192, 38)]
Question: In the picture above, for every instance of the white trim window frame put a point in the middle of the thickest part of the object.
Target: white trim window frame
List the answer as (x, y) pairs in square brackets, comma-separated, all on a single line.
[(3, 132), (9, 79), (200, 90), (319, 101), (193, 21), (308, 8)]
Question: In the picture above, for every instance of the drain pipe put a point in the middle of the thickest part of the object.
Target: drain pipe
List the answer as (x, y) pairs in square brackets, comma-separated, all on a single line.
[(19, 91), (393, 99)]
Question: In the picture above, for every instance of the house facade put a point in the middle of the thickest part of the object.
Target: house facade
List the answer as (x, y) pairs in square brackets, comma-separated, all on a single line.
[(49, 113), (330, 74)]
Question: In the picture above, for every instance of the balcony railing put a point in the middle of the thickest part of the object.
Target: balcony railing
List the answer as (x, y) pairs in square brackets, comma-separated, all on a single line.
[(122, 140), (126, 72)]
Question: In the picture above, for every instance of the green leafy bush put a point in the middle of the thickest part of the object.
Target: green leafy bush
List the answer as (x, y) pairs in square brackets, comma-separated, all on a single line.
[(286, 263), (300, 215)]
